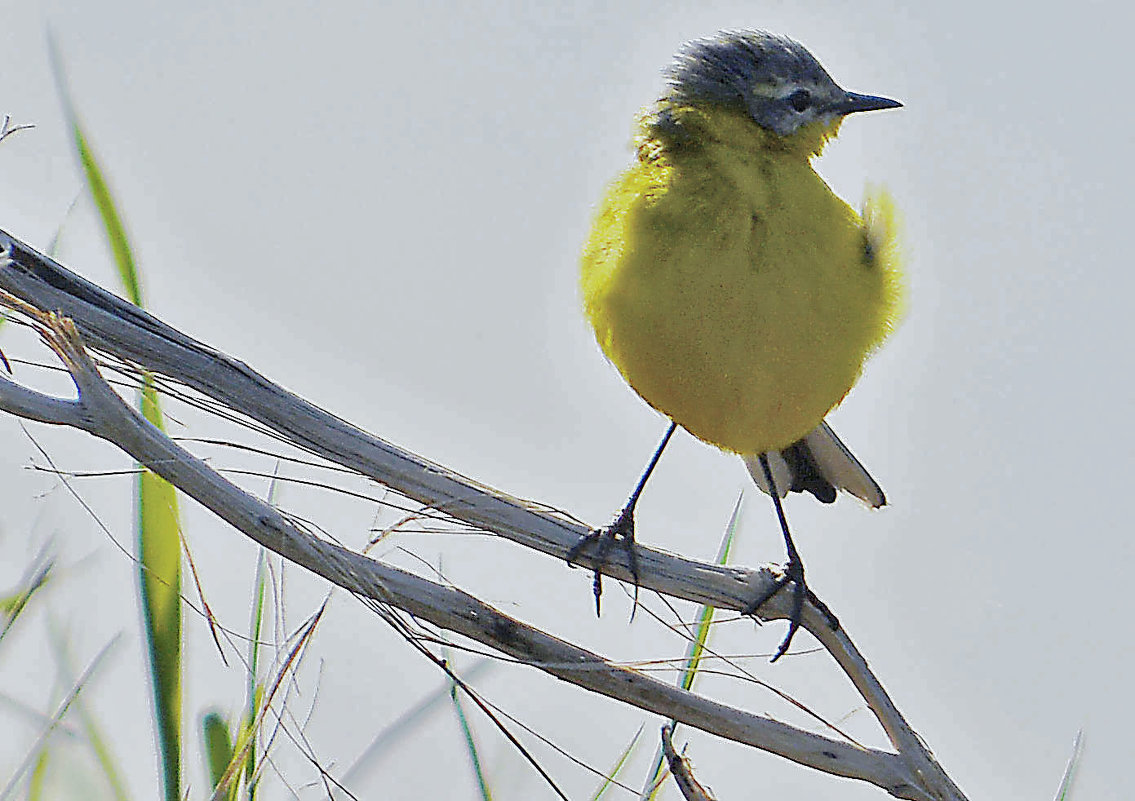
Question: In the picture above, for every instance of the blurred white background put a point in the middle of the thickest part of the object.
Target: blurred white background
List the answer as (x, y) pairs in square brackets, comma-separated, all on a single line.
[(380, 206)]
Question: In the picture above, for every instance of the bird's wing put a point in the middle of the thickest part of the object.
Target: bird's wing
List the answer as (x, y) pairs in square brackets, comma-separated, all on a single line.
[(820, 464)]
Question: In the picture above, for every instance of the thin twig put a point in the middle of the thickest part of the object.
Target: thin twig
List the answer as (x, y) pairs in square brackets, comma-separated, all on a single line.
[(7, 129), (680, 769)]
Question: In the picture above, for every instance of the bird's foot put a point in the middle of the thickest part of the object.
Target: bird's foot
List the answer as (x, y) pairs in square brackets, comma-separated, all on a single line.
[(794, 575), (620, 532)]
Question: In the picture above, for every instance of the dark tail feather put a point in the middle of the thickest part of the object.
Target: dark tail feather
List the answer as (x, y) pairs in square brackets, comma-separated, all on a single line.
[(820, 464)]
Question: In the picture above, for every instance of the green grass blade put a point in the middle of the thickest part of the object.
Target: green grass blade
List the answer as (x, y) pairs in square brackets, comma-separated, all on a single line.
[(617, 768), (255, 690), (103, 756), (218, 746), (112, 223), (158, 546), (14, 604), (91, 728), (157, 518), (695, 649), (470, 744), (405, 726), (1065, 791), (38, 776), (54, 721), (227, 784)]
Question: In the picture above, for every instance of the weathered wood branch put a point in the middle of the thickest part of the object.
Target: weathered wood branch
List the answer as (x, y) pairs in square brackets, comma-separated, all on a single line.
[(68, 311)]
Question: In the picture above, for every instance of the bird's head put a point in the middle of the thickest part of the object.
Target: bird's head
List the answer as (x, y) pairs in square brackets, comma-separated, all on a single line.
[(773, 79)]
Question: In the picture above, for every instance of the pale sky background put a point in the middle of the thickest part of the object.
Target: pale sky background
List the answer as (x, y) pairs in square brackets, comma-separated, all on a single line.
[(381, 208)]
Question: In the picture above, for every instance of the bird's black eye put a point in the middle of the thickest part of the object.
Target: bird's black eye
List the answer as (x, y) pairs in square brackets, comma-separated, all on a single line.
[(800, 99)]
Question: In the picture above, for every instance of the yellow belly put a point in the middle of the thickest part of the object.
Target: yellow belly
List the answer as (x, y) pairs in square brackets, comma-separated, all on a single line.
[(741, 304)]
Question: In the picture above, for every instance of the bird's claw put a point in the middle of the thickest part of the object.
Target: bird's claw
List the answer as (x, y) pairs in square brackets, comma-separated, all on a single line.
[(621, 531), (793, 574)]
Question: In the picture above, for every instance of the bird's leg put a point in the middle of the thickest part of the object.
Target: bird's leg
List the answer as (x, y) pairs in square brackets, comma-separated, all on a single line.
[(793, 572), (620, 530)]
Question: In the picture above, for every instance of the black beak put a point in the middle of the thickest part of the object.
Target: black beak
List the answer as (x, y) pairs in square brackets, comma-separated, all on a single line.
[(853, 102)]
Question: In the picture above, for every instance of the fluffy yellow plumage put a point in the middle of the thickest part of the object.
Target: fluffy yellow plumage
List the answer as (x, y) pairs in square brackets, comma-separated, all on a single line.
[(735, 292)]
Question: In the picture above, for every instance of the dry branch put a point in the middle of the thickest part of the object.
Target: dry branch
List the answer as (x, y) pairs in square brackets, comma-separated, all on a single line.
[(67, 310)]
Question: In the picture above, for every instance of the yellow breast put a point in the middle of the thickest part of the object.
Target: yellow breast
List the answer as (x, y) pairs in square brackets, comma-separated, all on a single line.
[(735, 292)]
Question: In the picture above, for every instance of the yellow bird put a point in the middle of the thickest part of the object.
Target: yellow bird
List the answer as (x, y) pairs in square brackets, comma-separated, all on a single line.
[(734, 291)]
